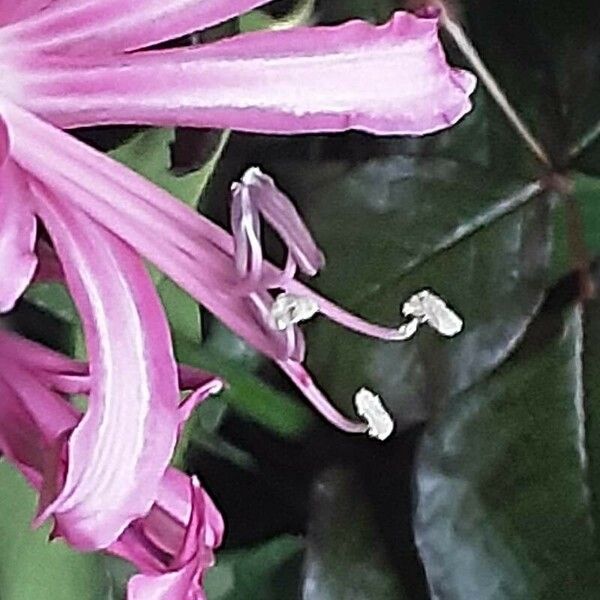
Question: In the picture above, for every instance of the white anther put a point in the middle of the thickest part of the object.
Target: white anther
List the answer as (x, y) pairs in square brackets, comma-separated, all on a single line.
[(252, 176), (370, 408), (429, 308), (288, 309)]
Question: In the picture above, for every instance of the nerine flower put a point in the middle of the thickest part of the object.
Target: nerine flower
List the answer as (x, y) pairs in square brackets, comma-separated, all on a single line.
[(390, 79), (278, 315), (99, 215), (171, 545)]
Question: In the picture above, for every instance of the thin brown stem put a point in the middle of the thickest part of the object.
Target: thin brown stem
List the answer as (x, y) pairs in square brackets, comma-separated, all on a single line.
[(466, 47)]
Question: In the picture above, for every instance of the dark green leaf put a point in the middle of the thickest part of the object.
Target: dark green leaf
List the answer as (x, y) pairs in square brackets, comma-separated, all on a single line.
[(503, 497), (585, 199), (591, 391), (395, 225), (345, 558), (270, 571), (546, 57)]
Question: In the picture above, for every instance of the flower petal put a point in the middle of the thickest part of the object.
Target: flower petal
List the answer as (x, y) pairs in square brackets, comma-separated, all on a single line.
[(182, 580), (11, 11), (181, 243), (173, 544), (32, 418), (17, 235), (124, 24), (122, 446), (263, 196), (389, 79)]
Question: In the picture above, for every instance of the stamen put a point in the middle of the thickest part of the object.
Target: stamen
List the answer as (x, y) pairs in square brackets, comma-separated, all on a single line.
[(289, 309), (253, 176), (300, 376), (427, 307), (278, 210), (370, 408)]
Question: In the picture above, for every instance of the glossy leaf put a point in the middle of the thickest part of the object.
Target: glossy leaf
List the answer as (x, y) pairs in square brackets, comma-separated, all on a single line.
[(547, 60), (345, 557), (503, 484), (410, 223)]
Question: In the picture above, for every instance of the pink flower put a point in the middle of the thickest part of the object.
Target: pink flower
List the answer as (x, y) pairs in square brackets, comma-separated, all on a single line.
[(100, 216), (173, 544), (391, 79)]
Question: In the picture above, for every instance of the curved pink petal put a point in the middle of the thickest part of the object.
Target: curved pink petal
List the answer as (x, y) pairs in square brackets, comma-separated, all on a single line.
[(174, 585), (122, 446), (17, 442), (17, 235), (32, 418), (182, 578), (12, 11), (89, 26), (159, 227), (258, 193), (55, 370), (390, 79), (173, 544)]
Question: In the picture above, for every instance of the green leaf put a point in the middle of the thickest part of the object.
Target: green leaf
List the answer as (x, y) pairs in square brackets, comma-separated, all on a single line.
[(502, 478), (395, 225), (148, 154), (587, 194), (53, 298), (249, 395), (586, 201), (30, 567), (269, 571), (548, 63), (345, 556)]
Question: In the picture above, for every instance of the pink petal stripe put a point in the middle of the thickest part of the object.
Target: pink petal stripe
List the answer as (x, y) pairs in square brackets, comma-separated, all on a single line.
[(17, 235), (391, 79), (89, 26), (173, 544), (152, 221), (122, 447)]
